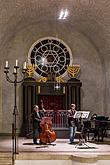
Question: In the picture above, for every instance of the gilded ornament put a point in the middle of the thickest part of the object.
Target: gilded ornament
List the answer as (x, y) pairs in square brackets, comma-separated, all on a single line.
[(30, 69), (42, 79), (73, 70)]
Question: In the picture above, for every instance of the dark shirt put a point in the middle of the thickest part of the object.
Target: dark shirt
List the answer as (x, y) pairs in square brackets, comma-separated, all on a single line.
[(71, 119), (37, 116)]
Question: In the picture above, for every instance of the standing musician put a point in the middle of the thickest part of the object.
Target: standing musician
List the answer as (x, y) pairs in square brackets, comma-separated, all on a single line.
[(72, 123), (37, 117)]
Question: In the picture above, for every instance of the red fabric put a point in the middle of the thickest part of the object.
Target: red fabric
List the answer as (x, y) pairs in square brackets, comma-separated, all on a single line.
[(52, 102)]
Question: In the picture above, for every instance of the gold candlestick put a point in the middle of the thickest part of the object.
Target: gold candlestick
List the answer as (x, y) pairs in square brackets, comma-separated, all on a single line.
[(73, 70), (30, 69)]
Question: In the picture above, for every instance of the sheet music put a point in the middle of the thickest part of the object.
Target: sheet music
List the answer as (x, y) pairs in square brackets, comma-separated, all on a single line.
[(81, 114)]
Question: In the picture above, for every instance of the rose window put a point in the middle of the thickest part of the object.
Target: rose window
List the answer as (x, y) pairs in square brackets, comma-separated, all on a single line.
[(50, 55)]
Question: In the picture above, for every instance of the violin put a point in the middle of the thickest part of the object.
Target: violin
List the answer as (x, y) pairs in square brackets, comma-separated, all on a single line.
[(47, 135)]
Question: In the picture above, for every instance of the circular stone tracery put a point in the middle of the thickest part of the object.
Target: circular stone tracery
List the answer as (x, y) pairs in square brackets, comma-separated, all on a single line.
[(51, 55)]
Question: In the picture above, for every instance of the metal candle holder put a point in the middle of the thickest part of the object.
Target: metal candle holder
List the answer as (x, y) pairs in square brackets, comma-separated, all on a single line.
[(15, 81)]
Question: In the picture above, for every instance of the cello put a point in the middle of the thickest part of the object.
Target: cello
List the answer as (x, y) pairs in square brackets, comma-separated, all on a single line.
[(47, 135)]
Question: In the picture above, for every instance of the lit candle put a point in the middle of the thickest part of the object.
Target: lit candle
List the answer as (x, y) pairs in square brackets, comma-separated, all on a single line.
[(25, 65), (6, 64), (16, 62), (15, 71)]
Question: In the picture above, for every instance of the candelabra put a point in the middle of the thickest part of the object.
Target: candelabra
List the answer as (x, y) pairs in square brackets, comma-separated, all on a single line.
[(15, 81), (73, 70)]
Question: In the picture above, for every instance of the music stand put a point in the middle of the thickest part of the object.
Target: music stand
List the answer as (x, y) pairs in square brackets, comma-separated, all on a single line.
[(81, 115)]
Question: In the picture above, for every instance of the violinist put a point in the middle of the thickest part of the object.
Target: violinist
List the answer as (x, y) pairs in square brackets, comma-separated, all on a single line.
[(37, 117), (72, 123)]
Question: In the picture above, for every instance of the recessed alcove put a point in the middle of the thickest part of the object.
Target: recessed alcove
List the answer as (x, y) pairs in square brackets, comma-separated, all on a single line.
[(56, 102)]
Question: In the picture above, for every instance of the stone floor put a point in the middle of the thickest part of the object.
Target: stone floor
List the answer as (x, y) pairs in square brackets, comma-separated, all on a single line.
[(60, 145), (89, 152)]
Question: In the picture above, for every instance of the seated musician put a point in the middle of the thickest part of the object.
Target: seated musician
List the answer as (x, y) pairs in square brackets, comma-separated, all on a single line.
[(100, 127), (37, 117), (95, 130)]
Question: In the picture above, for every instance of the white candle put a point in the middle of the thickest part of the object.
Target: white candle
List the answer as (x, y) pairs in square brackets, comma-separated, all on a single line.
[(24, 65), (6, 64), (16, 62), (15, 71)]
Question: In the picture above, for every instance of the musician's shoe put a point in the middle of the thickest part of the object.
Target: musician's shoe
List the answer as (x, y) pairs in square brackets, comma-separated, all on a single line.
[(92, 138), (96, 140), (100, 140), (80, 143), (71, 143), (36, 143)]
